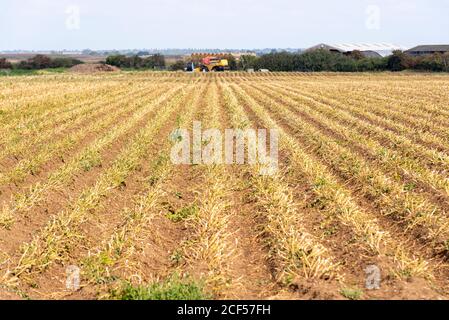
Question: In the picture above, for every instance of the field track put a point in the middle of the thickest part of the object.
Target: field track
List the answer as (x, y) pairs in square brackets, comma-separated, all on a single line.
[(86, 180)]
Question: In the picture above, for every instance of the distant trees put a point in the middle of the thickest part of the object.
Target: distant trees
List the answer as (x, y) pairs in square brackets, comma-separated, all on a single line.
[(247, 62), (399, 61), (156, 61), (312, 61), (44, 62), (356, 55), (37, 62), (64, 62), (143, 53), (232, 62), (5, 64), (319, 60), (89, 52), (282, 61), (371, 64), (437, 62), (445, 61), (323, 60), (178, 65), (117, 60)]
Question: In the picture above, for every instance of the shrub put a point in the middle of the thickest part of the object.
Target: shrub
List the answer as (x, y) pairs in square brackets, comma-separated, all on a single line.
[(400, 61), (247, 62), (445, 61), (37, 62), (117, 60), (323, 60), (183, 214), (156, 61), (371, 64), (430, 63), (232, 62), (282, 61), (5, 64), (319, 60), (65, 62), (44, 62), (356, 55), (178, 65)]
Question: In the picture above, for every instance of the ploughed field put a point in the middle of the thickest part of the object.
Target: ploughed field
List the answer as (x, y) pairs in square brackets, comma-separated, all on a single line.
[(87, 183)]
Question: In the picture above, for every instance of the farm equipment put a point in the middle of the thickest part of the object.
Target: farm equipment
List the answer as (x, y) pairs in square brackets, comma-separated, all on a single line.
[(209, 64)]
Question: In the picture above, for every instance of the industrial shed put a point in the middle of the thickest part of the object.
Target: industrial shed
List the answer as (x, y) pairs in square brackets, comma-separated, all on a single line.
[(368, 50), (428, 49)]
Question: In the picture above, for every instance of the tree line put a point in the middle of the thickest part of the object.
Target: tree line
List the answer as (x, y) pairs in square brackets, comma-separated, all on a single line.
[(323, 60), (312, 61), (40, 62), (156, 61)]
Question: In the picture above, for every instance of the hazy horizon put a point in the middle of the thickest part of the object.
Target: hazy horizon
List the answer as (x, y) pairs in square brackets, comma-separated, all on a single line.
[(41, 25)]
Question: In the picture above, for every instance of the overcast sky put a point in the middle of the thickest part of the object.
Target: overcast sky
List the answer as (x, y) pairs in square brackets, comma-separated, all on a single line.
[(121, 24)]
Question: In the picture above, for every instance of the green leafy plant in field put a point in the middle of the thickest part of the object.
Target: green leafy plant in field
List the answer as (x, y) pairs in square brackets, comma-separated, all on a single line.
[(410, 187), (158, 167), (90, 160), (177, 257), (173, 288), (183, 214), (351, 294)]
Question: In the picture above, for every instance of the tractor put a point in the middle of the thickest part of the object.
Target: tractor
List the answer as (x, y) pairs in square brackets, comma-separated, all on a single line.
[(209, 64)]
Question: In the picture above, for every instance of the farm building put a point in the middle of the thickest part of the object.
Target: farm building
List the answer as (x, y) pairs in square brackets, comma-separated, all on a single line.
[(368, 50), (428, 49)]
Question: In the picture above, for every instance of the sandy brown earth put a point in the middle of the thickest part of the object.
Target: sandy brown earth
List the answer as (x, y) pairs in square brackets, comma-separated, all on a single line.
[(93, 67), (86, 180)]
